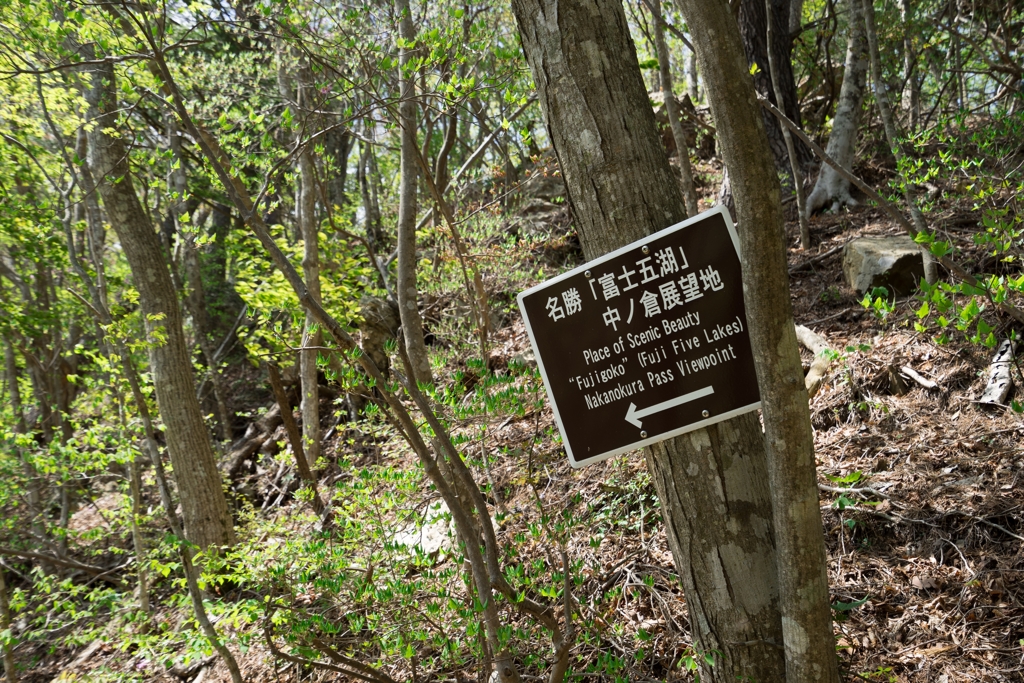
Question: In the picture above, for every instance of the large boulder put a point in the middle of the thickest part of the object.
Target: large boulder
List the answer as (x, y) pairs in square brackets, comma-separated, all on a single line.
[(895, 263)]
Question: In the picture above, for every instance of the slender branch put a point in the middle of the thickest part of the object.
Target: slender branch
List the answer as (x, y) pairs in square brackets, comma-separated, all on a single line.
[(70, 564)]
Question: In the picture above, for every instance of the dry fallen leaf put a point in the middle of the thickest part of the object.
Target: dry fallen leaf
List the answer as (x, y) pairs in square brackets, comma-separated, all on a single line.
[(923, 583)]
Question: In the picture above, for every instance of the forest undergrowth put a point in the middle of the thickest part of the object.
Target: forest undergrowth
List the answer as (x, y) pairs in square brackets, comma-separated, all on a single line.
[(920, 498)]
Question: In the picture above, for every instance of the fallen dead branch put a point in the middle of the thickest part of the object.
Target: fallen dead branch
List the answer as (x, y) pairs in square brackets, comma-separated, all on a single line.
[(255, 436), (999, 381), (98, 572), (816, 259), (916, 376), (817, 345)]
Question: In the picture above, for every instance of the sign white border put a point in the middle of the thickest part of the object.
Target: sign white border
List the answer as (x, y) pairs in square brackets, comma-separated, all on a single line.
[(721, 209)]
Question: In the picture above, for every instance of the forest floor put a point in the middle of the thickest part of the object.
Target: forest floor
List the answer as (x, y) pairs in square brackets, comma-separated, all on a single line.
[(926, 564)]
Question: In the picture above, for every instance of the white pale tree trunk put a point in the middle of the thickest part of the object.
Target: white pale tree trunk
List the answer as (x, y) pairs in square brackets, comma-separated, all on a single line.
[(832, 190)]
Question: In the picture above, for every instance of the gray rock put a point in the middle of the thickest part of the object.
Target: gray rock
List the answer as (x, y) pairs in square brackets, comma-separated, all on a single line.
[(526, 358), (433, 534), (892, 262)]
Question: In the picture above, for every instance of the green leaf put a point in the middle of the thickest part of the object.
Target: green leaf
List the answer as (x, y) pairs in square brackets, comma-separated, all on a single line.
[(842, 502), (847, 606), (851, 478)]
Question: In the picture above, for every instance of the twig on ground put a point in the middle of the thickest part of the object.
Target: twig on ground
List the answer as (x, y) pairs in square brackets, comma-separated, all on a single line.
[(815, 259), (914, 375)]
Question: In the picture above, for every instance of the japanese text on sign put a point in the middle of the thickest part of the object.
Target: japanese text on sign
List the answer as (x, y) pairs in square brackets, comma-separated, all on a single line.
[(646, 342)]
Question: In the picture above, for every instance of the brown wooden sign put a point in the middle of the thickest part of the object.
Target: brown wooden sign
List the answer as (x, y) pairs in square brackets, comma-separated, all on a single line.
[(647, 342)]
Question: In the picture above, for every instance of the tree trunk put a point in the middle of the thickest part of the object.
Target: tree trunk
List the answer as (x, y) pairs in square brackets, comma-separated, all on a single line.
[(796, 17), (711, 482), (371, 211), (205, 509), (794, 164), (952, 11), (294, 438), (911, 98), (35, 489), (692, 84), (801, 559), (222, 301), (10, 668), (672, 109), (408, 293), (831, 188), (753, 20), (339, 144), (891, 135), (135, 488), (312, 337), (194, 295)]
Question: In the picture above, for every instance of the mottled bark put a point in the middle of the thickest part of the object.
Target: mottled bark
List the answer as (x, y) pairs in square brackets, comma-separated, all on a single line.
[(408, 293), (800, 559), (672, 109), (207, 519), (831, 188), (711, 482)]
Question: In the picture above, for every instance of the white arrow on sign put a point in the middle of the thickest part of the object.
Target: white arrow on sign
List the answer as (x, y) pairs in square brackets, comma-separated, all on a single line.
[(633, 416)]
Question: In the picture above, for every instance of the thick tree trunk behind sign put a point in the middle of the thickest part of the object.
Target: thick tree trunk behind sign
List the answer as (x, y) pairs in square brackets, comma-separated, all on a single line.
[(204, 507), (803, 582), (711, 482)]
